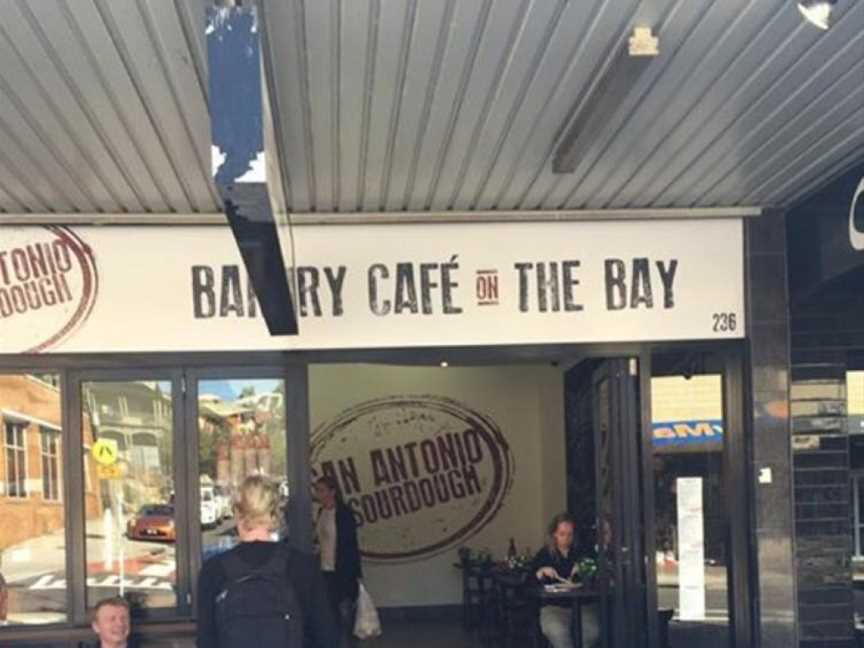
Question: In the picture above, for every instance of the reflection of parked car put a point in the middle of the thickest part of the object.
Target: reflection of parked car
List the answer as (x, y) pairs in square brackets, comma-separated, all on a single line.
[(223, 502), (152, 522), (209, 508)]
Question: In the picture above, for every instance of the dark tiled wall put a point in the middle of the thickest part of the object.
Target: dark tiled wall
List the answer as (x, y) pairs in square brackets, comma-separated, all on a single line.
[(821, 477), (826, 330), (768, 353)]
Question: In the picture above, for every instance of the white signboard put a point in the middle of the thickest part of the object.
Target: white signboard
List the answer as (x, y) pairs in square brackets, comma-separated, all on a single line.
[(691, 549), (116, 289)]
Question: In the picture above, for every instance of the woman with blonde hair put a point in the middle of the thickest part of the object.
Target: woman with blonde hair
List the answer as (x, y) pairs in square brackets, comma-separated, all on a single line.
[(261, 593)]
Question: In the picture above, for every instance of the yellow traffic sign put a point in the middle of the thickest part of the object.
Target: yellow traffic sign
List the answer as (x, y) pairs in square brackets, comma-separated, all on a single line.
[(104, 451), (113, 471)]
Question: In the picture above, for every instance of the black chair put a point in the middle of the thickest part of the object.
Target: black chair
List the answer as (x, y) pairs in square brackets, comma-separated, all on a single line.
[(476, 594), (516, 617)]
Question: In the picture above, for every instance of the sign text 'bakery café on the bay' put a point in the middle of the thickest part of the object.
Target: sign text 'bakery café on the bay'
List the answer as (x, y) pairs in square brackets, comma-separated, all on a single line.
[(119, 289)]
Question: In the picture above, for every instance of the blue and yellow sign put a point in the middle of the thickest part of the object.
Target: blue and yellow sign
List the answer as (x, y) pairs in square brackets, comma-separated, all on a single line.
[(687, 433)]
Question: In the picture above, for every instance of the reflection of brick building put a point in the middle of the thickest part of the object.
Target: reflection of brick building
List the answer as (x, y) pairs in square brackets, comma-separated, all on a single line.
[(31, 466)]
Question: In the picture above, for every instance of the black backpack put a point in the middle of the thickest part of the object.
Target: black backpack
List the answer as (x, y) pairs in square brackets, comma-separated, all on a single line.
[(258, 608)]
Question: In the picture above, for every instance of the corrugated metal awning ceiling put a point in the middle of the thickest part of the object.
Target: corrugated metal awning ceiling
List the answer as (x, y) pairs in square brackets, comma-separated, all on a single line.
[(390, 105)]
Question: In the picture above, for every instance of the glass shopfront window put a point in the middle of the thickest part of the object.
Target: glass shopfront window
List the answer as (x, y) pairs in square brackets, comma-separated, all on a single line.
[(855, 421), (127, 524), (241, 432), (32, 516), (130, 524), (690, 513)]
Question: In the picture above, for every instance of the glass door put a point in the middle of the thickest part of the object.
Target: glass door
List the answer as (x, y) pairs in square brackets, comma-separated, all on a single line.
[(619, 529), (133, 501), (696, 456), (237, 419)]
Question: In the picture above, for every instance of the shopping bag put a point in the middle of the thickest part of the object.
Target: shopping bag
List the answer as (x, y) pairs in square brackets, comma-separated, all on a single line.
[(366, 624)]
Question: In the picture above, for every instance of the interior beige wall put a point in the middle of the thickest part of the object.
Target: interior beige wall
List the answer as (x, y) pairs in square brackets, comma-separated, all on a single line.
[(527, 404), (553, 446)]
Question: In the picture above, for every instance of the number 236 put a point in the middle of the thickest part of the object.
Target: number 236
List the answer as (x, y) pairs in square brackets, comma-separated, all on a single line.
[(725, 322)]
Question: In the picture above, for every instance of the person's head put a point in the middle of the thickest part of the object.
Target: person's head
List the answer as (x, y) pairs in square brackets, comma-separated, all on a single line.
[(110, 622), (4, 599), (256, 507), (561, 531), (327, 492)]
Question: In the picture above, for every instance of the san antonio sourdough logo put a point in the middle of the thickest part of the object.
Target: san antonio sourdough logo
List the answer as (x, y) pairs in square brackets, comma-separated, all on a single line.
[(421, 473), (48, 285)]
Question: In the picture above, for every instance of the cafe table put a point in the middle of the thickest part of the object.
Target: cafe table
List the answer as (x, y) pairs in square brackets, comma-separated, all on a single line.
[(577, 596)]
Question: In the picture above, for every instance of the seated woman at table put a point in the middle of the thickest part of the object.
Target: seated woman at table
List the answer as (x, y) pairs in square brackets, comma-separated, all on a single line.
[(555, 562)]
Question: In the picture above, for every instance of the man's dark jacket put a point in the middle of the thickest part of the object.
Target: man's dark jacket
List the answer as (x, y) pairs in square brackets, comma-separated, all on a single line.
[(348, 568)]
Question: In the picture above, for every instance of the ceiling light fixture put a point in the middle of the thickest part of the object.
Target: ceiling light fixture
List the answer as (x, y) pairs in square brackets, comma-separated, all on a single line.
[(607, 93), (817, 12)]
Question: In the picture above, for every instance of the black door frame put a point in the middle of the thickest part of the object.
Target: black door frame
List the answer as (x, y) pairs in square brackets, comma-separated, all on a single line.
[(621, 452), (649, 537), (738, 486)]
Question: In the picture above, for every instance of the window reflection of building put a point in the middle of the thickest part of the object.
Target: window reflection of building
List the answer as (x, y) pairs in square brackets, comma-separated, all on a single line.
[(129, 544), (50, 463), (30, 470), (241, 431), (32, 514), (16, 459), (237, 436), (137, 417)]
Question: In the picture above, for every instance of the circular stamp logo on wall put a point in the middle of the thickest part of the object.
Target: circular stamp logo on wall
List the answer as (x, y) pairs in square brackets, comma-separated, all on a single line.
[(48, 286), (422, 474)]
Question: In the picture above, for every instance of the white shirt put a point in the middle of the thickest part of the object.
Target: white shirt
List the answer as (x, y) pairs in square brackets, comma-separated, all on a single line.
[(326, 531)]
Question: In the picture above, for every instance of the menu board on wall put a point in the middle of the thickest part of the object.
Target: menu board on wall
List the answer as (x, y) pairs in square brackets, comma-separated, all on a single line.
[(691, 549), (125, 289)]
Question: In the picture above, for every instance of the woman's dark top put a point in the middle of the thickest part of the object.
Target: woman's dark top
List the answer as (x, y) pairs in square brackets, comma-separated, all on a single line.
[(563, 564), (321, 630), (348, 563)]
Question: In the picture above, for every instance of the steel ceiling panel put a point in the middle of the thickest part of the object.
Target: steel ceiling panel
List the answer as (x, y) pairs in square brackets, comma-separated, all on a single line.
[(572, 55), (701, 45), (392, 105), (286, 34), (460, 105), (103, 108), (778, 61), (441, 107), (356, 21), (636, 114)]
